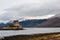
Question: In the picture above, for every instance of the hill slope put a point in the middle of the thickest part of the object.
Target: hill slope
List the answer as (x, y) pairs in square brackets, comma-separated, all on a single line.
[(32, 23), (52, 22)]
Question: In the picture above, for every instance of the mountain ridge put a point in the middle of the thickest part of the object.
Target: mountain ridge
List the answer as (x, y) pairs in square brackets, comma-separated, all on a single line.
[(25, 23), (52, 22)]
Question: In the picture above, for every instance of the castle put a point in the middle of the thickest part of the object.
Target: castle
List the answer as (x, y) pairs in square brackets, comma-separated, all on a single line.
[(16, 24), (13, 26)]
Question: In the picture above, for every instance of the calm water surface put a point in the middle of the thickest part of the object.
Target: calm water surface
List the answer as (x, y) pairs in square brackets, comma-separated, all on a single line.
[(28, 31)]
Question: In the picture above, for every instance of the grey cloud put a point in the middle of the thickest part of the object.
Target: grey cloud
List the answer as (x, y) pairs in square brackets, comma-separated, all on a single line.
[(31, 10)]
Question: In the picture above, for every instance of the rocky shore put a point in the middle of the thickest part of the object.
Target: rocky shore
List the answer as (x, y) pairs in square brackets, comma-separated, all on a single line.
[(50, 36)]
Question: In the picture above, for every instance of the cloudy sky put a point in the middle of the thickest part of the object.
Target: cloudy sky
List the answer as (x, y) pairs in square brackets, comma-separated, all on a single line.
[(10, 9)]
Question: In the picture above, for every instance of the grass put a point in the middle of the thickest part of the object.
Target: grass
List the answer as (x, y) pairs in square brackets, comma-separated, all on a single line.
[(51, 36)]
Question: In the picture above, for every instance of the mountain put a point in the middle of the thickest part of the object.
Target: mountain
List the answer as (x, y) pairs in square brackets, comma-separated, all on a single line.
[(32, 23), (29, 21), (51, 22), (25, 23)]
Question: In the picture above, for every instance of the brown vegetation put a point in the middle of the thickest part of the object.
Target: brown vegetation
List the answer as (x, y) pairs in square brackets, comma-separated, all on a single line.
[(54, 36)]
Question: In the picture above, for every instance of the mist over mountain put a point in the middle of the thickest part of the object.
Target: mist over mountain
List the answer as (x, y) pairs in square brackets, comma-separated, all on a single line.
[(57, 15), (53, 21), (26, 23)]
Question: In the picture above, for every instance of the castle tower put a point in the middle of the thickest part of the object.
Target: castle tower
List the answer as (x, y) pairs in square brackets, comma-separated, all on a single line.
[(16, 24)]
